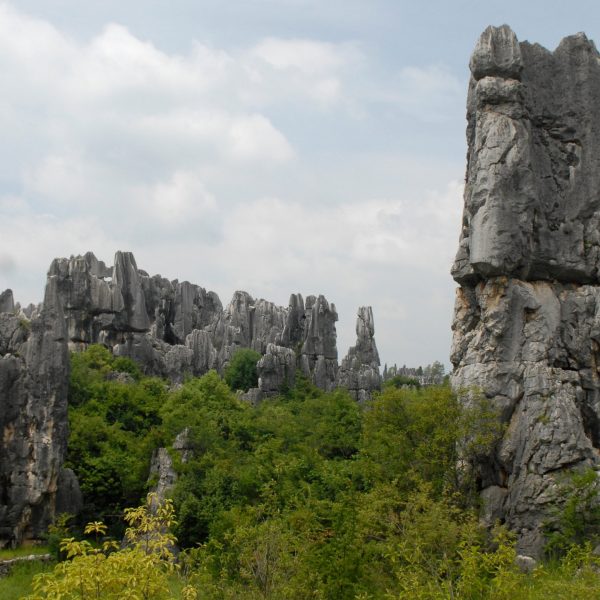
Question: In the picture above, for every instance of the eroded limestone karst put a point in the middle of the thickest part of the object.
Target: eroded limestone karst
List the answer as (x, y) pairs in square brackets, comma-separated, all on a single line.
[(171, 329), (34, 376), (527, 316), (359, 371)]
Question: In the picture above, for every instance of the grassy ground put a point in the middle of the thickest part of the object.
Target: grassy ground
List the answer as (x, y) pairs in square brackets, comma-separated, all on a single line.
[(8, 553), (18, 583)]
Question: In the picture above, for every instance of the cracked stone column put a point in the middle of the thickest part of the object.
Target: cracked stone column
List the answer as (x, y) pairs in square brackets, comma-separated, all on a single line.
[(527, 316)]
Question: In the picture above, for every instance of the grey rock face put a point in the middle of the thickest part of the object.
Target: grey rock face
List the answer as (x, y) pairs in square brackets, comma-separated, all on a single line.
[(359, 371), (245, 323), (527, 315), (526, 564), (531, 200), (194, 308), (174, 329), (7, 303), (318, 354), (276, 369), (34, 373), (163, 476), (69, 498)]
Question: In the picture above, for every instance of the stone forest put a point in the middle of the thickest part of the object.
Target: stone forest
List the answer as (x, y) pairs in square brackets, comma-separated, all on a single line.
[(319, 478)]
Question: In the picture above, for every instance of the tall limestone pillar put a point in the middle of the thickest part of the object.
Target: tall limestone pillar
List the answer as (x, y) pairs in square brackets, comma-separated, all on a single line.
[(527, 316)]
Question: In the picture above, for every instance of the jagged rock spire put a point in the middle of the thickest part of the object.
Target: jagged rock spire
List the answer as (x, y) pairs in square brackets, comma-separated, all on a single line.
[(359, 371)]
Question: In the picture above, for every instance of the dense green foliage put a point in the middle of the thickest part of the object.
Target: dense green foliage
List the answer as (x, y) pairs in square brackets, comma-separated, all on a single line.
[(240, 373), (105, 571), (114, 423), (578, 521), (399, 381), (309, 495)]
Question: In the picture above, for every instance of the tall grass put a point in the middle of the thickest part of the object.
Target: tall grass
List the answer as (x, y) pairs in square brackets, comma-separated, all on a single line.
[(18, 583)]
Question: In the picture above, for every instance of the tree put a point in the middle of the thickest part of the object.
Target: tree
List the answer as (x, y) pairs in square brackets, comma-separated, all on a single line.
[(139, 571), (240, 373)]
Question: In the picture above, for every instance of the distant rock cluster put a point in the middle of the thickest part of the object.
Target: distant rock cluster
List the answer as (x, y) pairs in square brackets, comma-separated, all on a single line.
[(172, 330), (176, 329), (527, 317), (433, 374)]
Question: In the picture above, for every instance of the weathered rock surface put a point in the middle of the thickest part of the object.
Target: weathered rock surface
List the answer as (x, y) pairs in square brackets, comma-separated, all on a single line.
[(163, 476), (7, 303), (527, 317), (174, 329), (276, 369), (69, 498), (318, 354), (359, 371), (532, 208), (34, 373)]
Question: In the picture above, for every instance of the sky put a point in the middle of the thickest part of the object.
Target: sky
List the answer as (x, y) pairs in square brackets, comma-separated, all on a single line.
[(273, 146)]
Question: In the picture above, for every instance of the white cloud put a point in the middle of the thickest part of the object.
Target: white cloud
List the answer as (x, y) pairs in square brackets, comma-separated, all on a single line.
[(294, 237), (307, 56), (196, 162), (301, 68), (32, 240), (176, 202), (432, 93)]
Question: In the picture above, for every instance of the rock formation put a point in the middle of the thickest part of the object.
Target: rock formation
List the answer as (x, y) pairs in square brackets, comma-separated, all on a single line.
[(34, 376), (527, 317), (162, 477), (173, 329), (359, 371), (277, 370)]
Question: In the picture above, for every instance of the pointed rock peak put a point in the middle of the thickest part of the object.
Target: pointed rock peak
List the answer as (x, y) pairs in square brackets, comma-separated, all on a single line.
[(125, 260), (577, 42), (365, 324), (97, 267), (240, 302), (497, 54), (296, 302), (7, 302)]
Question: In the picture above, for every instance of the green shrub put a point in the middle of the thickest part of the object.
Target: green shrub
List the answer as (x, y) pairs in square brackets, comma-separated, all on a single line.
[(577, 518), (240, 373)]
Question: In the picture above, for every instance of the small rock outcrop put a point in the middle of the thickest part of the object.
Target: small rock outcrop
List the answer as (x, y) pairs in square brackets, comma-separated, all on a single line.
[(527, 317), (34, 377), (163, 476), (276, 370), (359, 371), (69, 499)]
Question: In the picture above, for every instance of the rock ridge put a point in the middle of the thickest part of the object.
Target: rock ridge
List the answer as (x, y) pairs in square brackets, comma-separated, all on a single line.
[(174, 329)]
